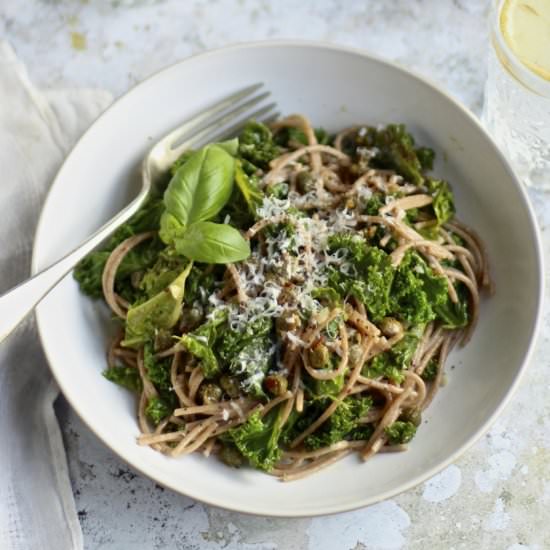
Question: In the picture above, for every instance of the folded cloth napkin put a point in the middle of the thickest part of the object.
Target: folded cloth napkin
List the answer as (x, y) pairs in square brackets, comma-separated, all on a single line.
[(37, 129)]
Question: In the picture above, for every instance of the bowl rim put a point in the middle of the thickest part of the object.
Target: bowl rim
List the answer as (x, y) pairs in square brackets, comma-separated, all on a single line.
[(211, 500)]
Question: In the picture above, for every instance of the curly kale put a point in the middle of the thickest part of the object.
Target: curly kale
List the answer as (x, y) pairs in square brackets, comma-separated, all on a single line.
[(443, 200), (258, 439), (370, 280), (199, 285), (326, 295), (373, 204), (201, 341), (157, 410), (395, 150), (455, 315), (256, 145), (158, 370), (249, 354), (127, 377), (327, 388), (400, 432), (391, 363), (416, 291), (286, 136), (363, 432), (340, 424), (88, 271), (426, 157), (430, 372)]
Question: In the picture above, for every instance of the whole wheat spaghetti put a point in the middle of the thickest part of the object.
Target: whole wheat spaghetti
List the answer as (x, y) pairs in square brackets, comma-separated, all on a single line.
[(310, 315)]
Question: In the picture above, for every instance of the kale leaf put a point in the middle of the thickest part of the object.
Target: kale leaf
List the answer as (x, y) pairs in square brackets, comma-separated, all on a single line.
[(340, 424), (127, 377), (391, 363), (373, 204), (199, 285), (257, 439), (396, 151), (158, 370), (443, 200), (326, 388), (326, 295), (430, 372), (249, 354), (426, 157), (416, 291), (256, 144), (201, 341), (400, 432), (285, 136), (157, 409), (89, 270), (363, 432), (88, 273), (371, 279), (454, 315)]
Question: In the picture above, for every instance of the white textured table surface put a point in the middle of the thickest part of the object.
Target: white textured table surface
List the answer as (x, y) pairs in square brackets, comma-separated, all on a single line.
[(496, 496)]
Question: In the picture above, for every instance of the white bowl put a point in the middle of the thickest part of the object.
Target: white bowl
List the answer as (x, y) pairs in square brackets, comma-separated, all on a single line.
[(335, 87)]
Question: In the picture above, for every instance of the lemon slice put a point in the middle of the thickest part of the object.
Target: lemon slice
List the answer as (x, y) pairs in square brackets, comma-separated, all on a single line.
[(525, 26)]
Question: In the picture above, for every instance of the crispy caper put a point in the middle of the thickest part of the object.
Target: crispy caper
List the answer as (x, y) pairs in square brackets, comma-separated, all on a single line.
[(414, 416), (305, 182), (391, 327), (230, 386), (231, 456), (210, 393), (276, 384), (319, 356)]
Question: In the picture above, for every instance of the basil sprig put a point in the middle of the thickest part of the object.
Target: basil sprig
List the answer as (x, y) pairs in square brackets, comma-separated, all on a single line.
[(199, 189)]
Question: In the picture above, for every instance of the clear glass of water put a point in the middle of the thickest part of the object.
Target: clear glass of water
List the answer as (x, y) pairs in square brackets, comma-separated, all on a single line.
[(516, 110)]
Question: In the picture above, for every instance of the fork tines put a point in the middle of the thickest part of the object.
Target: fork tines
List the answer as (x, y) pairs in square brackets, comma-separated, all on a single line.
[(223, 119)]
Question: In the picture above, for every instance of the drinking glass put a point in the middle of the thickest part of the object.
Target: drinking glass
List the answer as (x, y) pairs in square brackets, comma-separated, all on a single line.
[(516, 109)]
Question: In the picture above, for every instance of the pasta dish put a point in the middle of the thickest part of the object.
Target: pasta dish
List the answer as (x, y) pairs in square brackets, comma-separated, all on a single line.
[(289, 297)]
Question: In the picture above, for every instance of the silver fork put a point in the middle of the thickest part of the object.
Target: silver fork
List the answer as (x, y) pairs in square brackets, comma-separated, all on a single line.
[(223, 119)]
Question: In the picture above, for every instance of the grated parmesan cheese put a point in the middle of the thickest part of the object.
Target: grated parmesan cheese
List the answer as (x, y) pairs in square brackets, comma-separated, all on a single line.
[(286, 269)]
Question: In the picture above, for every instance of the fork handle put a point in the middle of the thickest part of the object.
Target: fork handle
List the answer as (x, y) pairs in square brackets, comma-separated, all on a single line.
[(18, 302)]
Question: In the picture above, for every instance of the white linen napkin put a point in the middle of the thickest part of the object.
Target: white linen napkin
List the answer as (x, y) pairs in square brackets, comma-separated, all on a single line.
[(37, 509)]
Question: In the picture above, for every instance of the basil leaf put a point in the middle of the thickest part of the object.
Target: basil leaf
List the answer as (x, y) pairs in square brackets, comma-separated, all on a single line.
[(231, 146), (162, 311), (170, 228), (213, 243), (200, 188)]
